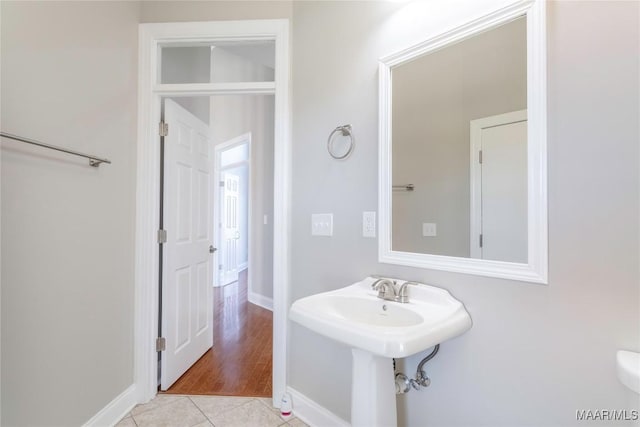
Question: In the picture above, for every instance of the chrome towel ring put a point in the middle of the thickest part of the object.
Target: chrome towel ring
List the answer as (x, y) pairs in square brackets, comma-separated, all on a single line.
[(346, 131)]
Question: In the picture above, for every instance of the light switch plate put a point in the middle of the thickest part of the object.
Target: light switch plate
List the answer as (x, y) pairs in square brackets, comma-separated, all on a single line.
[(368, 224), (322, 224), (429, 229)]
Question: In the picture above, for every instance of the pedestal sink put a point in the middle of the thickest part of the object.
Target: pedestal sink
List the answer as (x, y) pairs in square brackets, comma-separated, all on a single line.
[(378, 331)]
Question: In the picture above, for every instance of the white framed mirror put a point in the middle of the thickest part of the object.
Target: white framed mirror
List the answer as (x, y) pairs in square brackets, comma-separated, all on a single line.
[(462, 150)]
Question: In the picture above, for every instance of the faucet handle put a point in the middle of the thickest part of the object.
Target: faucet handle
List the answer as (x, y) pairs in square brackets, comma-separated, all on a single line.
[(403, 295), (386, 288), (380, 280)]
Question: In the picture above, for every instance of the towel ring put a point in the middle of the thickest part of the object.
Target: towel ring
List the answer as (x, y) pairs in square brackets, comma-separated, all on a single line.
[(346, 131)]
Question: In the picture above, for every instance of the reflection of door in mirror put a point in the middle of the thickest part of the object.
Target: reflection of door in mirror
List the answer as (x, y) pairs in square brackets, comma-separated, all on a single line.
[(499, 187), (434, 98)]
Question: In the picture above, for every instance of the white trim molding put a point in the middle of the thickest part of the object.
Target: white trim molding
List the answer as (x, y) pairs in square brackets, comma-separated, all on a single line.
[(312, 413), (535, 270), (116, 409), (191, 89), (260, 300), (151, 38)]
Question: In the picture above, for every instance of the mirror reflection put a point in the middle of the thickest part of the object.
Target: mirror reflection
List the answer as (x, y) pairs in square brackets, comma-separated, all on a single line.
[(459, 138)]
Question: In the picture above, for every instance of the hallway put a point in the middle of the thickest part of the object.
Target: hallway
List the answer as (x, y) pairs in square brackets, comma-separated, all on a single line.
[(239, 364)]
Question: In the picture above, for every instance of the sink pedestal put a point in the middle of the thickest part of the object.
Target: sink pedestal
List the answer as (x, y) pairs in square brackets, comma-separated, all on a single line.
[(378, 330), (373, 392)]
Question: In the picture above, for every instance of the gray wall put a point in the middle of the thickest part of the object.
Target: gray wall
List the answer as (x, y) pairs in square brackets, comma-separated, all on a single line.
[(69, 73), (433, 100), (184, 10), (535, 353)]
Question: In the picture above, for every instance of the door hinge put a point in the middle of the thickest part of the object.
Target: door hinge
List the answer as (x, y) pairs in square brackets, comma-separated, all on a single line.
[(162, 236), (164, 129), (219, 266), (480, 240), (221, 183), (161, 344), (480, 156)]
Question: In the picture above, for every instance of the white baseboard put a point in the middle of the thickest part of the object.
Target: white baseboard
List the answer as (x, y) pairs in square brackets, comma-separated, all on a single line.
[(243, 266), (115, 410), (312, 413), (261, 300)]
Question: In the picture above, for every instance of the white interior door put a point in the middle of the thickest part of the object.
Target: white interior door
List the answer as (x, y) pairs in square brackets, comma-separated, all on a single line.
[(502, 188), (230, 228), (187, 295)]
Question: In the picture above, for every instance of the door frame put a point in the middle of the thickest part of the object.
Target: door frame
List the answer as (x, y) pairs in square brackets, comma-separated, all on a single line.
[(217, 170), (475, 144), (150, 92)]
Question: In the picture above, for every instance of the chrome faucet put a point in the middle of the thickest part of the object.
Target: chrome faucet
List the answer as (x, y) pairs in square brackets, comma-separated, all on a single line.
[(403, 296), (386, 289)]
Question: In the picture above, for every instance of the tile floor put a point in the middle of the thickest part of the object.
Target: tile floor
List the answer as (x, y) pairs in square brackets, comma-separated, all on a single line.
[(206, 411)]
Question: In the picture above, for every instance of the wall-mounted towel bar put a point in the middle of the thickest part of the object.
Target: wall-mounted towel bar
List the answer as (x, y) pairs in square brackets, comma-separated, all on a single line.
[(93, 160), (406, 187)]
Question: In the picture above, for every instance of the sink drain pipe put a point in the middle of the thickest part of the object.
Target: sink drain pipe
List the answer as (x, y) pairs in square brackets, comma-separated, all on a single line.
[(404, 384)]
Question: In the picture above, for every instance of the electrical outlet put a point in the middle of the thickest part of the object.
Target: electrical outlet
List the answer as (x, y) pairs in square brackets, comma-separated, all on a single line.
[(368, 224), (429, 229), (322, 224)]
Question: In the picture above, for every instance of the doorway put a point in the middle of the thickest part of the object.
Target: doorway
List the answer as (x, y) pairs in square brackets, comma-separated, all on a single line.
[(152, 90), (218, 238), (233, 201)]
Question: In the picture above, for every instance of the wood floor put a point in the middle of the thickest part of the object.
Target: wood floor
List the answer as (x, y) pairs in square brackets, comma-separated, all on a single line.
[(239, 364)]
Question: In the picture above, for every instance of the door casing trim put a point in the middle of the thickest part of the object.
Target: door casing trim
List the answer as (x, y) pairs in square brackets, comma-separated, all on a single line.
[(151, 37)]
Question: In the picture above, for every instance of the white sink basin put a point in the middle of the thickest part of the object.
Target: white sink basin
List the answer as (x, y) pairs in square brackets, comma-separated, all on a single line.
[(355, 316), (367, 311)]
